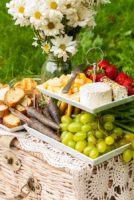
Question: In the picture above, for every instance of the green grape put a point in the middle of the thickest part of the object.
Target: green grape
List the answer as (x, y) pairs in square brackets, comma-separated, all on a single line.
[(91, 139), (71, 144), (91, 145), (118, 131), (77, 118), (127, 155), (86, 127), (80, 145), (109, 118), (133, 145), (63, 134), (122, 142), (67, 138), (90, 133), (129, 137), (66, 119), (64, 127), (108, 126), (114, 136), (101, 146), (86, 118), (100, 140), (74, 127), (94, 125), (87, 150), (99, 134), (109, 140), (79, 136), (110, 148), (94, 153)]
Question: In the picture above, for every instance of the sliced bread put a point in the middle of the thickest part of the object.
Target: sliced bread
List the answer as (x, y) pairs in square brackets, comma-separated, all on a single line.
[(11, 121), (21, 108), (3, 110), (14, 96), (26, 101), (3, 92)]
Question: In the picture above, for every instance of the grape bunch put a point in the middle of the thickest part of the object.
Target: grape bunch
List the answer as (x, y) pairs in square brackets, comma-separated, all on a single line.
[(92, 135)]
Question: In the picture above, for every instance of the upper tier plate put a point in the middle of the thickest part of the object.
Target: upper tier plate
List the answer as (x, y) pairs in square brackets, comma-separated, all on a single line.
[(79, 105)]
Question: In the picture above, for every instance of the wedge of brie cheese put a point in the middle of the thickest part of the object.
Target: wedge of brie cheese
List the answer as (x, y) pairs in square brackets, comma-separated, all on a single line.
[(95, 95)]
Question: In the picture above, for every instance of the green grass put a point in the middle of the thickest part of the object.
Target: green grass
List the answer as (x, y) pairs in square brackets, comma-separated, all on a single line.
[(17, 56), (114, 33)]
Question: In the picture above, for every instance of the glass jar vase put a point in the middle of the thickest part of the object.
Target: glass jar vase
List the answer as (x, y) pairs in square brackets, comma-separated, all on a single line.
[(54, 67)]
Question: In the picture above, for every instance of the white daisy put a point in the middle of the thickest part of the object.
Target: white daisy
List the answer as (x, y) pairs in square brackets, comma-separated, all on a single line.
[(17, 9), (35, 43), (72, 19), (85, 17), (63, 47), (52, 27), (36, 12), (46, 47), (53, 8), (68, 6)]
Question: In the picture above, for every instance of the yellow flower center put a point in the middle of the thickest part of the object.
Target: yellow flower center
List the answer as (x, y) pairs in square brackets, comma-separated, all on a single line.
[(51, 25), (62, 46), (53, 5), (46, 48), (37, 15), (21, 9)]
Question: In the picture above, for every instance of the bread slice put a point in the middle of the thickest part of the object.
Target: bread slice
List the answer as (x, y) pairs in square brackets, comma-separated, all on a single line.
[(29, 84), (21, 108), (11, 121), (26, 102), (26, 84), (14, 96), (3, 92), (3, 110)]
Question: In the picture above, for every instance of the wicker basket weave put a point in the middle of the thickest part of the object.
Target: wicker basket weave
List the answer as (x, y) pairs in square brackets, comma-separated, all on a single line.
[(27, 176)]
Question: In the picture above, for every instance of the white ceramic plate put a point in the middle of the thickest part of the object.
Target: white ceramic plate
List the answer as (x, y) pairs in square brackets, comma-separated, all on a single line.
[(12, 130), (73, 152), (79, 105)]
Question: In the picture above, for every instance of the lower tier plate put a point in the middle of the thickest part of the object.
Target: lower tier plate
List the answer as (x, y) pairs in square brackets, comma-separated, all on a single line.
[(12, 130), (73, 152)]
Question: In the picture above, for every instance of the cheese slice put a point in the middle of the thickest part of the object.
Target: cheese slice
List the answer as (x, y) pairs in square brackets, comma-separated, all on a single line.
[(95, 95)]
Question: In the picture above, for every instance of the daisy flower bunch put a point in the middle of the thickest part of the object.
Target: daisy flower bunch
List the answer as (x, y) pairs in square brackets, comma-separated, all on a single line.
[(55, 22)]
